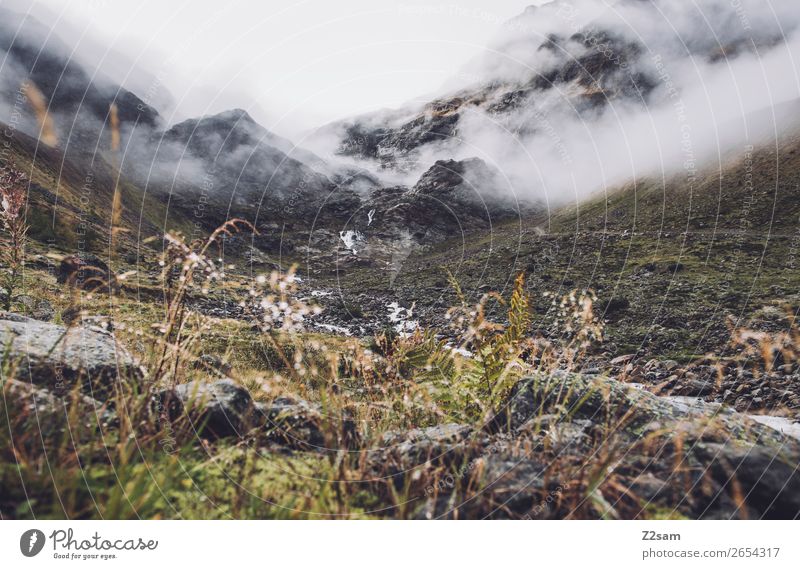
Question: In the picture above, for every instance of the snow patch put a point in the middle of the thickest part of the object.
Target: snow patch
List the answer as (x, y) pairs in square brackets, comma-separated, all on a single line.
[(401, 318), (352, 240), (335, 329)]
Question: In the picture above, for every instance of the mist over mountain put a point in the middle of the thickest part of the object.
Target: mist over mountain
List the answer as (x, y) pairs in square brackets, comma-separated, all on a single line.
[(573, 97), (568, 99), (76, 100)]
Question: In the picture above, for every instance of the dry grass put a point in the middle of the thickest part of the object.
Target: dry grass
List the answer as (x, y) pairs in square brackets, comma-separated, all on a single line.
[(148, 464), (13, 192)]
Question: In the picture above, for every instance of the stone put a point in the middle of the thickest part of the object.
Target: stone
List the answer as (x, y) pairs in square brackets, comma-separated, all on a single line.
[(767, 478), (55, 357), (43, 311), (669, 365), (620, 360), (694, 388), (44, 413), (217, 410), (291, 422), (435, 447)]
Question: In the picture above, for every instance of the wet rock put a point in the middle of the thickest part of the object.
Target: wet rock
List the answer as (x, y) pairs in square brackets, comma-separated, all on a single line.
[(56, 357)]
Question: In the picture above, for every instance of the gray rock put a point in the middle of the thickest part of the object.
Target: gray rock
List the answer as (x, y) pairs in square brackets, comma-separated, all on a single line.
[(762, 460), (217, 410), (439, 434), (694, 388), (291, 422), (101, 323), (41, 412), (768, 478), (26, 302), (43, 311), (56, 357), (594, 398), (514, 485)]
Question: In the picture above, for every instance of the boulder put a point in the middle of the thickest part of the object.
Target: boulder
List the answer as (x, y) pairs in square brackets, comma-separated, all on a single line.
[(726, 453), (217, 410), (55, 357), (637, 412), (769, 479), (291, 422), (39, 411), (226, 409)]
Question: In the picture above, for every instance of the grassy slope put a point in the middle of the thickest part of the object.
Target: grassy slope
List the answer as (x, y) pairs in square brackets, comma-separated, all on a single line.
[(73, 195)]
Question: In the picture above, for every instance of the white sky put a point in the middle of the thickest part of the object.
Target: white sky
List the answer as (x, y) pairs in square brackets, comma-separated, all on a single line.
[(293, 64)]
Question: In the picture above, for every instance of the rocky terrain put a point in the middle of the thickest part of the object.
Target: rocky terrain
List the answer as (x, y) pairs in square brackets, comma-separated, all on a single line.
[(205, 320)]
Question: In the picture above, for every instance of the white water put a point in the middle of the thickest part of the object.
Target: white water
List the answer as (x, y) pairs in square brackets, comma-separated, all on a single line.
[(351, 239), (401, 318)]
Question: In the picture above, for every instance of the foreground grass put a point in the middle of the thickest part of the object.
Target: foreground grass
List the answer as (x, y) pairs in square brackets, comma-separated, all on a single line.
[(74, 463)]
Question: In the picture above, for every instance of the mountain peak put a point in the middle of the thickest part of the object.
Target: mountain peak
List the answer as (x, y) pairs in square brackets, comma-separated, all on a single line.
[(234, 115)]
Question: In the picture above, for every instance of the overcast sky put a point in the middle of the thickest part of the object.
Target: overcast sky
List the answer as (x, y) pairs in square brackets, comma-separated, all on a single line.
[(293, 64)]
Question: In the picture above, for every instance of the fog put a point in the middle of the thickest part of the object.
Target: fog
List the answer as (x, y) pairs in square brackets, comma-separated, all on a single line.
[(292, 65), (711, 77), (681, 86)]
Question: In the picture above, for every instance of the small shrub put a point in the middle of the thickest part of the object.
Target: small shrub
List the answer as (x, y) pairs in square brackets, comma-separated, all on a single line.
[(13, 188)]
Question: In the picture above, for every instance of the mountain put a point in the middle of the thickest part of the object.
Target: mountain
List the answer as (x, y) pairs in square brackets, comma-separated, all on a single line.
[(342, 217), (577, 270), (564, 82), (78, 102), (671, 261), (233, 160)]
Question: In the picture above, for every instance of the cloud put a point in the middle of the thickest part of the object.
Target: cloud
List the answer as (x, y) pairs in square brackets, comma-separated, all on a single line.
[(645, 88)]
